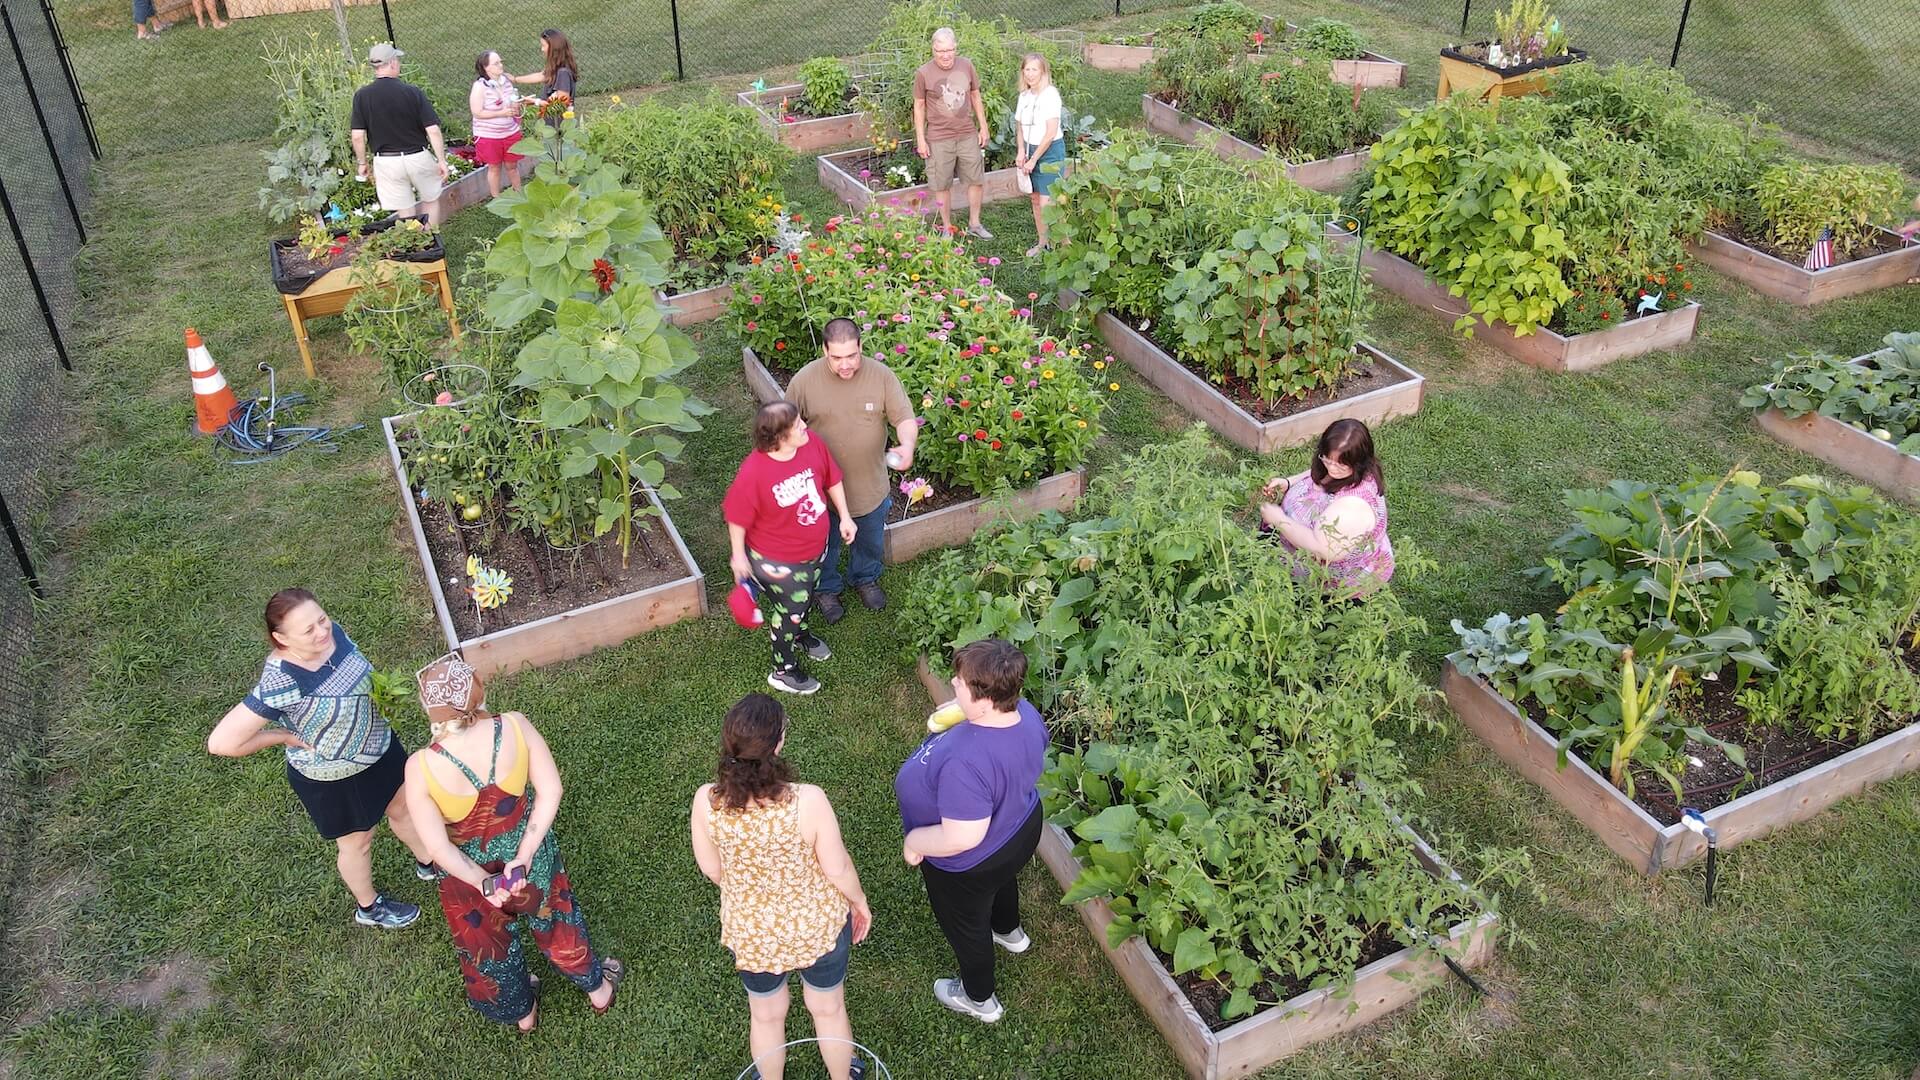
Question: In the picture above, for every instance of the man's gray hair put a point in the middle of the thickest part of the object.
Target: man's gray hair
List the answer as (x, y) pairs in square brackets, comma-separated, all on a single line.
[(945, 33)]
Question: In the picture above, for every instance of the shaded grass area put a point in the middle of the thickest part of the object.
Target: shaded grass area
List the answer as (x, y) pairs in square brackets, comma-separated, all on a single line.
[(185, 919)]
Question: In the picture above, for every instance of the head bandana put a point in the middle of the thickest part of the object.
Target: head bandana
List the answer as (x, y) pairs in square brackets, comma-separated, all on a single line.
[(450, 691)]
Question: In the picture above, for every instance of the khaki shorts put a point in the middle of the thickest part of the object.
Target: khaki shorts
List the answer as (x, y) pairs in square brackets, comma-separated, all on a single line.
[(955, 159), (403, 182)]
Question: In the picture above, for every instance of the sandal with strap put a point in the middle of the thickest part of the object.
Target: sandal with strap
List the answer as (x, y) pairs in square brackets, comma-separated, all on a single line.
[(611, 971), (533, 1012)]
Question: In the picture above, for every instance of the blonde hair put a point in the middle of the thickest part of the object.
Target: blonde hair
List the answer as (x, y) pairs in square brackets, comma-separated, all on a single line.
[(1046, 71)]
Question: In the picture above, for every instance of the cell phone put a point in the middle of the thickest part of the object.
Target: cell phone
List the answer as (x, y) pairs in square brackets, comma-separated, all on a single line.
[(505, 880)]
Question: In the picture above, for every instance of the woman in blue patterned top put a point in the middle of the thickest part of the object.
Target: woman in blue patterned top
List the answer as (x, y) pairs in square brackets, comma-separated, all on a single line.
[(315, 699)]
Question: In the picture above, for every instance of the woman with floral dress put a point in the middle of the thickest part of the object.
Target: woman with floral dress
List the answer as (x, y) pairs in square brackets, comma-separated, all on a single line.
[(1336, 512), (484, 830)]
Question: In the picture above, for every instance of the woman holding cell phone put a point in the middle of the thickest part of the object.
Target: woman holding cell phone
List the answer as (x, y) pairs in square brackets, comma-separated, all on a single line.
[(493, 838)]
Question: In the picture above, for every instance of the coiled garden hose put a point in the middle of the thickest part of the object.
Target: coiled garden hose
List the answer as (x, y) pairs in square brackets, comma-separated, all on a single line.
[(253, 434)]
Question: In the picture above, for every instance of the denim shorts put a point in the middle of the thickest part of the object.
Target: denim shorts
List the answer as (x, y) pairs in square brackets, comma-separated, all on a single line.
[(826, 973)]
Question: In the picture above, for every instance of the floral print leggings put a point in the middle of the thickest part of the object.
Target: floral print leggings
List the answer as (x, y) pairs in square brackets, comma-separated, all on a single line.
[(492, 959), (785, 591)]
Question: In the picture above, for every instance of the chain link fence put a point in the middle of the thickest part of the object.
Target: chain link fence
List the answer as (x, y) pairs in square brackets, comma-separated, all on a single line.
[(46, 161)]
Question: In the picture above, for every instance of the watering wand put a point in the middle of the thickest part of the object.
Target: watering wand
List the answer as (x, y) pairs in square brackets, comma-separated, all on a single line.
[(273, 399), (1696, 822)]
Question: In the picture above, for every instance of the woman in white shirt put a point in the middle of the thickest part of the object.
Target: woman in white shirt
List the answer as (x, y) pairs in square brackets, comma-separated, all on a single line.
[(1043, 153)]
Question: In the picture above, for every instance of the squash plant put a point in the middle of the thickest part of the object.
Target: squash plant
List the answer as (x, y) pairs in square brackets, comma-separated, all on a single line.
[(583, 256), (1879, 396), (1223, 728)]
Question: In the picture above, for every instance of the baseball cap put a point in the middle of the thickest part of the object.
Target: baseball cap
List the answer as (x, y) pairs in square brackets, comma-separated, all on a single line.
[(745, 606), (382, 52)]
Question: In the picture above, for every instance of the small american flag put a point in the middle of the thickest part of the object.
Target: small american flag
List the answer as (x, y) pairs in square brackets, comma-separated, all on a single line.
[(1821, 256)]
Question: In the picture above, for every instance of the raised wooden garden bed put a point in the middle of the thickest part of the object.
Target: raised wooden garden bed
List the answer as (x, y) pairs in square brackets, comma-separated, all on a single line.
[(1543, 348), (569, 634), (1624, 826), (840, 174), (1463, 72), (1369, 71), (1326, 174), (698, 306), (1260, 1040), (1128, 58), (1794, 283), (1854, 452), (471, 189), (1234, 423), (806, 133), (949, 526)]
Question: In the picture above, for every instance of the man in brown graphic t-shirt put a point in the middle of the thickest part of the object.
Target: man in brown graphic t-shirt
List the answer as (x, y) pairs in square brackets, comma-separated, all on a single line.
[(851, 399), (946, 90)]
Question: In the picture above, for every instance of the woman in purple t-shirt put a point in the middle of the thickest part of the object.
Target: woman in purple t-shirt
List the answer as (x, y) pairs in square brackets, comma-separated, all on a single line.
[(970, 804)]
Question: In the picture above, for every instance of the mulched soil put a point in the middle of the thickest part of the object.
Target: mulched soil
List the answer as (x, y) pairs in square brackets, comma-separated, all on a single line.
[(545, 582), (1366, 375), (1879, 244), (294, 261), (1773, 754), (943, 496), (1208, 997)]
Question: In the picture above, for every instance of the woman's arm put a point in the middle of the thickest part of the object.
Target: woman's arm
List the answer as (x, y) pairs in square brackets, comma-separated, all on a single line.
[(950, 837), (1343, 530), (817, 818), (433, 828), (741, 565), (544, 777), (243, 731), (704, 852), (848, 530), (536, 77)]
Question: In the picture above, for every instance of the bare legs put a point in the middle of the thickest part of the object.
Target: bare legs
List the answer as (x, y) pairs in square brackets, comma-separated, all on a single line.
[(355, 855), (1039, 223), (768, 1036)]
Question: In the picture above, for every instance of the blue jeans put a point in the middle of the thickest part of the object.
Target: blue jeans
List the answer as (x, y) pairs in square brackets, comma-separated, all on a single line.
[(864, 560), (142, 11)]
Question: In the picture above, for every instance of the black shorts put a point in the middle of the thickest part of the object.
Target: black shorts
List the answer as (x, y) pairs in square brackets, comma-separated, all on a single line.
[(355, 803)]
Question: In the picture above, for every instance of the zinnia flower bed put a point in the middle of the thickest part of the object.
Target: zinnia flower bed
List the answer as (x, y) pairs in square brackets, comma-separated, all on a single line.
[(999, 401)]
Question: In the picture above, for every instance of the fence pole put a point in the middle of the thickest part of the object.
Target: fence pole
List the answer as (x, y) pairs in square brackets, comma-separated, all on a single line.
[(386, 13), (33, 277), (679, 63), (1679, 34), (1465, 10), (1116, 10), (73, 79), (19, 548), (46, 133)]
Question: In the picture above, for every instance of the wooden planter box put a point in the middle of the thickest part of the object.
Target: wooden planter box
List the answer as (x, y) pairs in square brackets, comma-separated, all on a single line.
[(1543, 348), (698, 306), (1233, 423), (949, 526), (845, 183), (1252, 1044), (1371, 70), (1853, 452), (471, 189), (805, 135), (1796, 284), (568, 634), (1460, 73), (1326, 174), (1630, 831), (1128, 58)]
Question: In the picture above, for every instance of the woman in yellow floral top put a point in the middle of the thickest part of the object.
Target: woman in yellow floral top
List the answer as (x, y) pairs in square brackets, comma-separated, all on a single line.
[(790, 899)]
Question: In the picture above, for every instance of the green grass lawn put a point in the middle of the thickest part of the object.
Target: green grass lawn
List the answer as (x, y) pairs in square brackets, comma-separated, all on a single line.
[(182, 919)]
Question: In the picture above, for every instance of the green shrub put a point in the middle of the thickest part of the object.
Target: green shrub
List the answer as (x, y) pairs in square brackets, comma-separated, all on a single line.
[(708, 170), (825, 80), (1799, 199), (1331, 37)]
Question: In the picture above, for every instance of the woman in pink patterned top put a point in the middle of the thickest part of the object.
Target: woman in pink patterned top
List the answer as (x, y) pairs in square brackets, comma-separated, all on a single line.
[(1336, 511)]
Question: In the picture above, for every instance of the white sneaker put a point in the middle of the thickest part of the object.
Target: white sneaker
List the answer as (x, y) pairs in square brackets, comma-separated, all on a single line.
[(953, 995), (1015, 941)]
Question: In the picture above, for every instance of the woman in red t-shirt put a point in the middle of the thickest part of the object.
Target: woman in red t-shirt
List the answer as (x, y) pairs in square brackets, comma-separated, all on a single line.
[(777, 521)]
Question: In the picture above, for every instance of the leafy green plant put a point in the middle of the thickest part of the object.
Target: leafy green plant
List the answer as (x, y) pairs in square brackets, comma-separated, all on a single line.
[(826, 81), (1527, 31), (313, 83), (1331, 37), (1879, 396), (709, 172), (1283, 102), (1799, 199), (395, 317)]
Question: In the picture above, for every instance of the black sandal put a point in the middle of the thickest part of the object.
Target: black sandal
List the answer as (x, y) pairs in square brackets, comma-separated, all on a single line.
[(611, 972), (533, 1012)]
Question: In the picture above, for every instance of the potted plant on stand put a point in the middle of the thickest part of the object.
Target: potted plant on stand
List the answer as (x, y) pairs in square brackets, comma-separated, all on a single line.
[(1528, 47)]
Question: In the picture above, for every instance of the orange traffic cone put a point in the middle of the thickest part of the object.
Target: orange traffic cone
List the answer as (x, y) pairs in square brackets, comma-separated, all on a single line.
[(212, 398)]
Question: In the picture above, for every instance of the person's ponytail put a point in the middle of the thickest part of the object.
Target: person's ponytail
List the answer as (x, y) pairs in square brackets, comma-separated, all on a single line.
[(751, 768)]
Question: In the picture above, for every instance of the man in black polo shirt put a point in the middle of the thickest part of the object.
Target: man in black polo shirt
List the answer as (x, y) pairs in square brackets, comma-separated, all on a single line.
[(396, 121)]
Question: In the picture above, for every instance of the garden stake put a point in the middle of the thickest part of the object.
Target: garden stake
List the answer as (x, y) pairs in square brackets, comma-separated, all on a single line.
[(1452, 965), (1697, 822)]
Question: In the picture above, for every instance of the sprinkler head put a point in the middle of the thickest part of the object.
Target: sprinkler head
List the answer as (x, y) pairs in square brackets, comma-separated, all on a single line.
[(1695, 821)]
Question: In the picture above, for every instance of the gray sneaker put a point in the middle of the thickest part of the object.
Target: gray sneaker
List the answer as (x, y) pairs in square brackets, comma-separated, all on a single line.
[(426, 871), (979, 231), (387, 914), (953, 995), (793, 682), (816, 648), (1015, 941)]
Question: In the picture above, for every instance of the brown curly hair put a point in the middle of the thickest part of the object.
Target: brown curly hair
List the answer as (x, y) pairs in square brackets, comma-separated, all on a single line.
[(750, 769)]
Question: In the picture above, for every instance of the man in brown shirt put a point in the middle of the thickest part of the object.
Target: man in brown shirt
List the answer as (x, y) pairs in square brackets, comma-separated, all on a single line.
[(850, 399), (946, 90)]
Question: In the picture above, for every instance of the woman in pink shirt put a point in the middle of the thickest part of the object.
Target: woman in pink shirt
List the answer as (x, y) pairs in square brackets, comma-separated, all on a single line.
[(1336, 512), (495, 105)]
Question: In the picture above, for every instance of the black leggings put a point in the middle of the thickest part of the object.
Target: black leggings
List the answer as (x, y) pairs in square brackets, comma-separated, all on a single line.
[(973, 905)]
